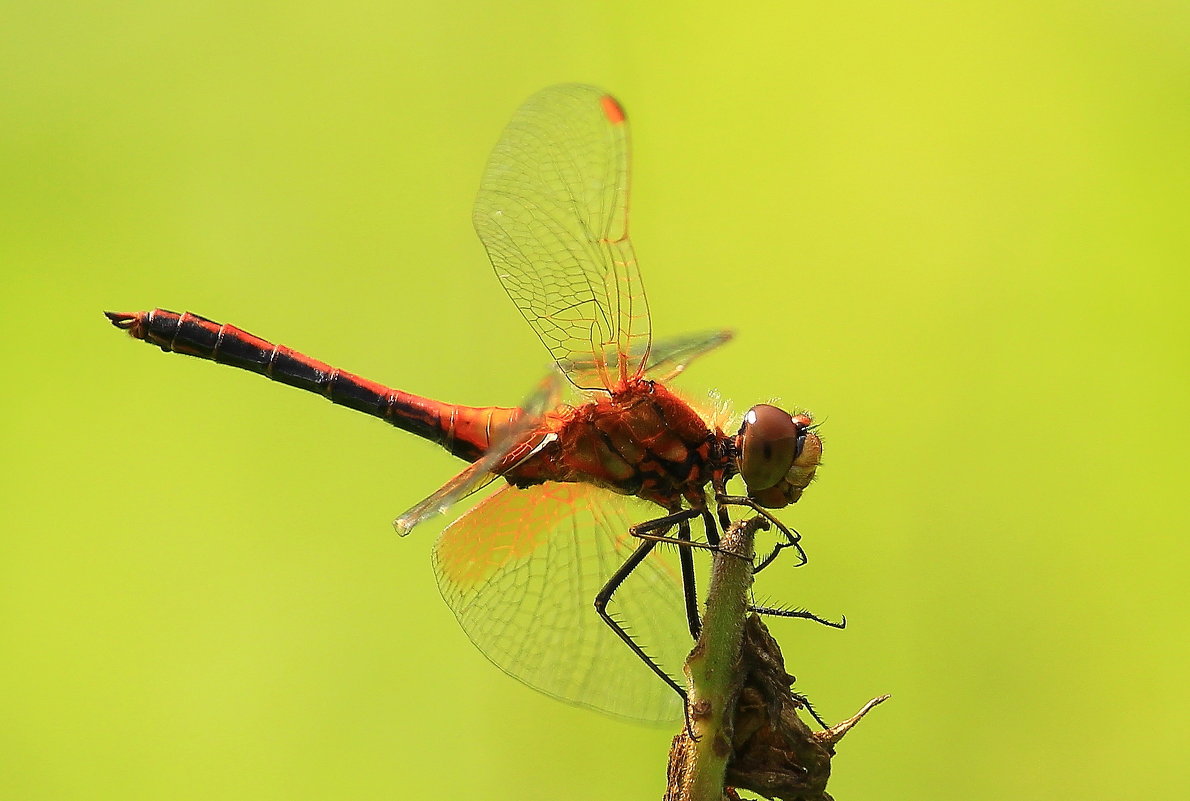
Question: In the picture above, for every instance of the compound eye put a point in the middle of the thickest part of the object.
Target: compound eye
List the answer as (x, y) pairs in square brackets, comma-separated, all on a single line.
[(769, 440)]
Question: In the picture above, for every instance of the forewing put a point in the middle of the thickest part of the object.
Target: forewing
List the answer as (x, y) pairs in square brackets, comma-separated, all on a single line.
[(552, 212), (521, 571)]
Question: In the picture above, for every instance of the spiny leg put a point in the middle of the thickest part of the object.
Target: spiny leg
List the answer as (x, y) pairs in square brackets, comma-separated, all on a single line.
[(724, 515), (804, 614), (708, 524), (689, 591), (605, 595), (686, 557), (806, 705), (792, 538), (644, 531)]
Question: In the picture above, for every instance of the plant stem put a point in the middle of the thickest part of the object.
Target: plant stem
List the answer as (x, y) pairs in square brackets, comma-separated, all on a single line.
[(742, 728), (711, 668)]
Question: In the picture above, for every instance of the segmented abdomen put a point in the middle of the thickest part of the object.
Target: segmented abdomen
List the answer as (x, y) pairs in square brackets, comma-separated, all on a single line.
[(465, 431)]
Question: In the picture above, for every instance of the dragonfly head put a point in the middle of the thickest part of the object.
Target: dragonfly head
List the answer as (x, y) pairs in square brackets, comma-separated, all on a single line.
[(778, 454)]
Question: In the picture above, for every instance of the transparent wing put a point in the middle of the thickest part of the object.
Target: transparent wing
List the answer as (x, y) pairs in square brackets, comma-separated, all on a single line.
[(670, 357), (472, 478), (552, 212), (517, 443), (666, 358), (521, 571)]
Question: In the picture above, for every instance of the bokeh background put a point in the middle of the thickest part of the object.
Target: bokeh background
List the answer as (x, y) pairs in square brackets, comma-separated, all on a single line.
[(955, 231)]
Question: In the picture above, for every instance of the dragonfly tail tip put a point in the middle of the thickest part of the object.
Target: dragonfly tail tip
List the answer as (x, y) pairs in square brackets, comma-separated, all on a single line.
[(120, 319)]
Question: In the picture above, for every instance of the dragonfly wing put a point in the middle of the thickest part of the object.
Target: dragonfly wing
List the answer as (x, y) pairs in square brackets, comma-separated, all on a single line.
[(521, 571), (667, 358), (472, 478), (670, 357), (552, 212), (478, 474)]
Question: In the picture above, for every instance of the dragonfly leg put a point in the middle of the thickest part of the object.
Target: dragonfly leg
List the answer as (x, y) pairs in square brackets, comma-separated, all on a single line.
[(649, 539), (644, 531), (686, 557), (806, 705), (792, 537), (685, 554), (804, 614), (605, 596), (683, 542), (708, 524), (689, 591)]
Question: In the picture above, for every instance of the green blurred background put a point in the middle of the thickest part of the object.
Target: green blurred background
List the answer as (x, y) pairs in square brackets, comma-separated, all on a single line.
[(955, 231)]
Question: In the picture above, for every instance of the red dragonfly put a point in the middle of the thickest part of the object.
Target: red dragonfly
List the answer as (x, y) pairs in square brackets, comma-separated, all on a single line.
[(521, 568)]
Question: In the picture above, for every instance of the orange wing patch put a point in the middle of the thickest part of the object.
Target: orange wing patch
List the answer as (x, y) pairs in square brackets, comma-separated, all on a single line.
[(507, 527), (520, 572)]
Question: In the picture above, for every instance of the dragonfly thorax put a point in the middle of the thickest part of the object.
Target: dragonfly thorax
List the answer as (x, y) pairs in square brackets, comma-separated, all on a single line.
[(640, 440)]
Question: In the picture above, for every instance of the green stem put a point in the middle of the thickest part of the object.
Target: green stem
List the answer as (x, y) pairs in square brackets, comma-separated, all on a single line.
[(712, 666)]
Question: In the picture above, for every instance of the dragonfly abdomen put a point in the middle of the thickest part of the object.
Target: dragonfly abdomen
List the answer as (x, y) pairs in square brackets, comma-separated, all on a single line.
[(465, 431)]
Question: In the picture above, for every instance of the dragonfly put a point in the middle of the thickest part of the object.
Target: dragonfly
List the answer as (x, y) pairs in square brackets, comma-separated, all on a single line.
[(595, 488)]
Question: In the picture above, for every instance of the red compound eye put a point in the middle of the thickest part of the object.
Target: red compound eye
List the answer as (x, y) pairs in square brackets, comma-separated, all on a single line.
[(769, 442)]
